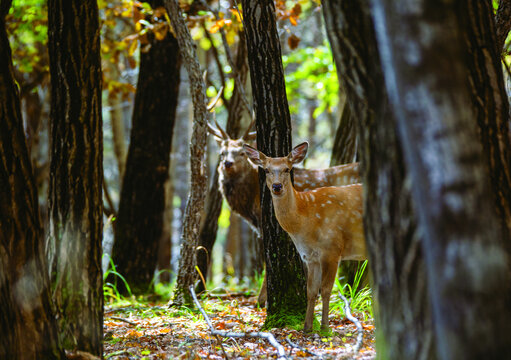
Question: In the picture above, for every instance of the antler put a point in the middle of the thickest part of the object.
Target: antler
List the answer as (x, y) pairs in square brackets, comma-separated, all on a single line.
[(249, 135), (213, 102), (222, 131)]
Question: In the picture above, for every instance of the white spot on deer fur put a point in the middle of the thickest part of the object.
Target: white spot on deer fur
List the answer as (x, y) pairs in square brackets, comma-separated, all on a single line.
[(331, 196), (323, 205), (312, 197), (345, 179), (318, 216), (339, 227), (329, 201)]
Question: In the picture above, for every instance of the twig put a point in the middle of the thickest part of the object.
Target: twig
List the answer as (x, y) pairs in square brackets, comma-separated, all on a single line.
[(228, 56), (354, 320), (296, 346), (216, 56), (123, 319), (264, 335), (111, 209)]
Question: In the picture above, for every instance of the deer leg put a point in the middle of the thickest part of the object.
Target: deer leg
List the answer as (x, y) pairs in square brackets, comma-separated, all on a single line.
[(313, 284), (329, 271), (261, 300)]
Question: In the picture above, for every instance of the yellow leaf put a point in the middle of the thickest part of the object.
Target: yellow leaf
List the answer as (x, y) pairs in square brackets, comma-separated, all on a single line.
[(236, 14), (133, 47)]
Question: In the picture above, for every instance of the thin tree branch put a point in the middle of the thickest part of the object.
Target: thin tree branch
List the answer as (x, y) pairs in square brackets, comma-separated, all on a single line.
[(354, 320), (111, 207), (228, 55), (217, 61), (263, 335)]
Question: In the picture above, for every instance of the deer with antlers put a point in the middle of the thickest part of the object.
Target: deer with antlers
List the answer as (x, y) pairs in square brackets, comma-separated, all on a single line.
[(325, 224), (239, 179)]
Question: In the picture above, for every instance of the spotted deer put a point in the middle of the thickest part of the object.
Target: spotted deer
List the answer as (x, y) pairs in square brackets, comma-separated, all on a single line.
[(325, 224), (239, 179)]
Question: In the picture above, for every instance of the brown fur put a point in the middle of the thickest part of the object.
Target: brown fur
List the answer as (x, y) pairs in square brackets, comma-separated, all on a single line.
[(325, 224)]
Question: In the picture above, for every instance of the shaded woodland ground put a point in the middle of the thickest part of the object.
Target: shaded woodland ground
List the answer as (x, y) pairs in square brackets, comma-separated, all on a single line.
[(152, 331)]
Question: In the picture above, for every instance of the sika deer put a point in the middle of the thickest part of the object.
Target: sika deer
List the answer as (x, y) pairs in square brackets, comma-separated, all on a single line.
[(239, 179), (325, 224)]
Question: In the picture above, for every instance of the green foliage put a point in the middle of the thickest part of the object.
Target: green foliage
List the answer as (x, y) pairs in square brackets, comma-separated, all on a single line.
[(27, 26), (223, 219), (310, 74)]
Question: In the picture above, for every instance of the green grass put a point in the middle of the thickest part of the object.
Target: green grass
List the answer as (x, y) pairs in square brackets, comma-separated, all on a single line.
[(110, 292), (361, 301)]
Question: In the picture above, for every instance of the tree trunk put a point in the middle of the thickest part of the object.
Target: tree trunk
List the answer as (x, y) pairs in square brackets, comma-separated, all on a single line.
[(76, 173), (286, 281), (489, 101), (198, 187), (395, 256), (235, 112), (464, 242), (116, 113), (165, 243), (344, 149), (139, 224), (27, 323)]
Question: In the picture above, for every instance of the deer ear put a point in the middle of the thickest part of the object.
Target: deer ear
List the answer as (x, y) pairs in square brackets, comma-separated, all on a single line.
[(298, 153), (255, 156)]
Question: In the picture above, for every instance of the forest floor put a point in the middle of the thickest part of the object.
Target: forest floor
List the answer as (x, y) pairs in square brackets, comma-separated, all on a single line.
[(151, 330)]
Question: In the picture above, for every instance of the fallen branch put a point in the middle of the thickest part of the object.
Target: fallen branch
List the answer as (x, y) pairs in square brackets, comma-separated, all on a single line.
[(263, 335), (118, 318), (354, 320), (296, 346)]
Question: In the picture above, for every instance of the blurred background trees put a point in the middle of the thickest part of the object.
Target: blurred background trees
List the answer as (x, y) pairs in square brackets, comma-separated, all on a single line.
[(131, 32)]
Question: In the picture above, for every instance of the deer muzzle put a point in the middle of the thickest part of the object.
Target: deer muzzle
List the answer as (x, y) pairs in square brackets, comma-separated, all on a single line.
[(276, 188)]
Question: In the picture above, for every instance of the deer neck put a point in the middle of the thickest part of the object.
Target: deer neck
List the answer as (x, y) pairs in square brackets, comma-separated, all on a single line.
[(286, 209)]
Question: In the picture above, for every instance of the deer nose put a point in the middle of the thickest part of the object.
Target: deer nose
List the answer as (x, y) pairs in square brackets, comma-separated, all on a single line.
[(228, 164), (277, 188)]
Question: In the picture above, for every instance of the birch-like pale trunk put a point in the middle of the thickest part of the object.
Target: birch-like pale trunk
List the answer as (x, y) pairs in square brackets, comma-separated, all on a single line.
[(198, 188)]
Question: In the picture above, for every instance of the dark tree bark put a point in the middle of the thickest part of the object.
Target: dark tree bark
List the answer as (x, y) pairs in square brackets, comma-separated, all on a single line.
[(27, 323), (76, 173), (464, 242), (286, 281), (344, 150), (198, 186), (235, 111), (395, 256), (139, 224), (489, 100)]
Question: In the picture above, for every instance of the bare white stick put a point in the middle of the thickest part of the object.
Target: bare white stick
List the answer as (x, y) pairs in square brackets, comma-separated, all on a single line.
[(354, 320), (254, 334)]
